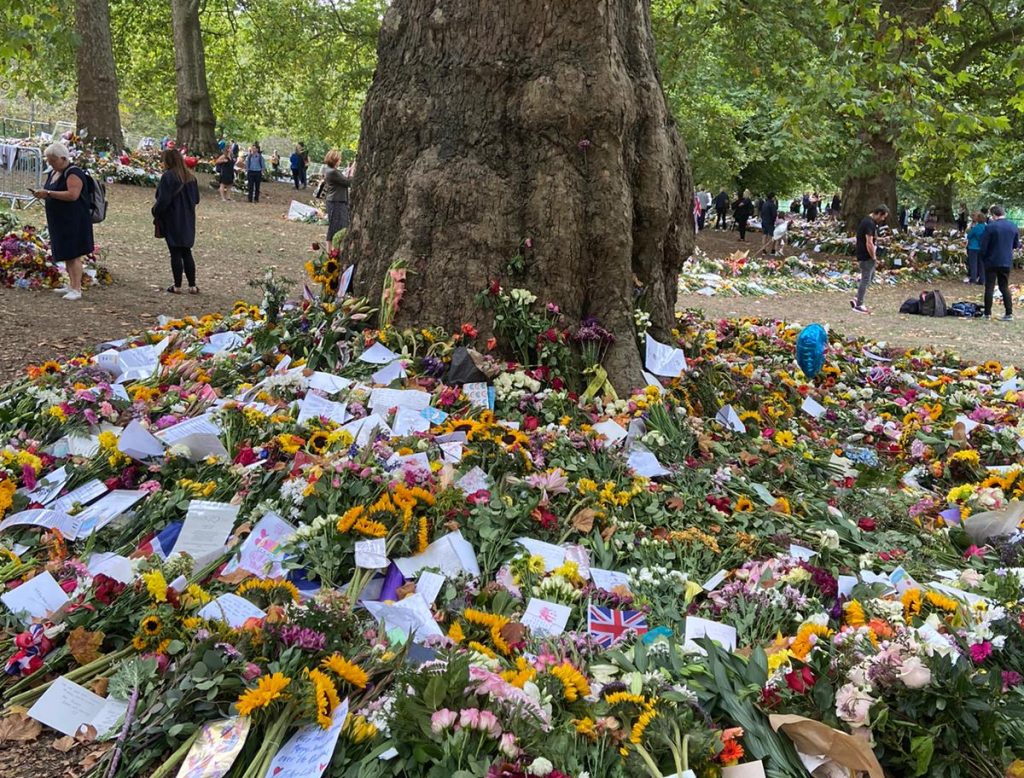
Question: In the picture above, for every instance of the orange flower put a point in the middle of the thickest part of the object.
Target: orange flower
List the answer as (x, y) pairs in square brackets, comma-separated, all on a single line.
[(731, 753), (880, 628)]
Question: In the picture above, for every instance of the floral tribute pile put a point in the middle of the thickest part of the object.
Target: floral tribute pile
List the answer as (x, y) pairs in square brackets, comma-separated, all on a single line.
[(25, 262), (282, 543), (815, 262)]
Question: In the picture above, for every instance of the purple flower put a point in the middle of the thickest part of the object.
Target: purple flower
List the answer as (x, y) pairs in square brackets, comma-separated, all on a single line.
[(433, 367), (302, 637), (1011, 678), (980, 652)]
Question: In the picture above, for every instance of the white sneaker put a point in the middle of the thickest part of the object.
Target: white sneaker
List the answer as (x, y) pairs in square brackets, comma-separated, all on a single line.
[(61, 289), (73, 295)]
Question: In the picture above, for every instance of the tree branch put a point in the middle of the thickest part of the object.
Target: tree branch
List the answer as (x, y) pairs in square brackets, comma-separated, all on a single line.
[(969, 54)]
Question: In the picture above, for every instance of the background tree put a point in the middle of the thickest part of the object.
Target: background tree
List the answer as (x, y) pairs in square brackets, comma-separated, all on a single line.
[(195, 122), (97, 111), (487, 124)]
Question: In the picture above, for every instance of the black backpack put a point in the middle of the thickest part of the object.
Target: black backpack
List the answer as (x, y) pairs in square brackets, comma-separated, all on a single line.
[(933, 303), (97, 194), (911, 305)]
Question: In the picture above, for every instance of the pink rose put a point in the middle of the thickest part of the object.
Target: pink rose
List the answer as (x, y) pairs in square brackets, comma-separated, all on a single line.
[(489, 723), (442, 720), (507, 746), (914, 673), (469, 718), (251, 671)]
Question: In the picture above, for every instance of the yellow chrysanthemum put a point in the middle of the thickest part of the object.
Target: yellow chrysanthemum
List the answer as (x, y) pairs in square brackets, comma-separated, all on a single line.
[(156, 585)]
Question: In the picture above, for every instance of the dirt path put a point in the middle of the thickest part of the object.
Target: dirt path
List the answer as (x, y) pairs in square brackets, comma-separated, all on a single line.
[(235, 243), (974, 340)]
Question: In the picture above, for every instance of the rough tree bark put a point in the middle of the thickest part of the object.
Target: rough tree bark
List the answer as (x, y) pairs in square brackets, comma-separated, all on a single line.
[(97, 110), (195, 122), (490, 123), (873, 181)]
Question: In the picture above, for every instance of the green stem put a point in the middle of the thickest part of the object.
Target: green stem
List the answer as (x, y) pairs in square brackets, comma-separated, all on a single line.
[(78, 675), (174, 759)]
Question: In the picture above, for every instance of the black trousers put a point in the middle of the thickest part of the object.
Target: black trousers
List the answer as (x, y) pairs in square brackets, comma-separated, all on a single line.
[(181, 259), (253, 179), (720, 219), (741, 225), (302, 177), (296, 176), (1001, 276)]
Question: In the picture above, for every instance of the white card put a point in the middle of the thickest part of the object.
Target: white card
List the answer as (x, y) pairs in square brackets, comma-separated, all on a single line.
[(372, 554), (429, 585), (231, 609), (411, 616), (544, 618), (111, 565), (452, 554), (720, 633), (419, 461), (390, 372), (46, 518), (308, 752), (49, 486), (313, 406), (383, 400), (969, 424), (202, 445), (106, 509), (378, 354), (223, 342), (363, 430), (644, 463), (66, 706), (1009, 386), (328, 383), (408, 422), (199, 425), (608, 579), (451, 452), (82, 495), (802, 553), (38, 597), (206, 528), (714, 581), (728, 418), (812, 407), (345, 281), (553, 556), (139, 443), (664, 360), (846, 584), (612, 432), (261, 553), (652, 380), (475, 480)]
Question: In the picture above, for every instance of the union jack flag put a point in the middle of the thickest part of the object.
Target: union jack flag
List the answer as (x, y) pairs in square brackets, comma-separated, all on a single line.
[(608, 626)]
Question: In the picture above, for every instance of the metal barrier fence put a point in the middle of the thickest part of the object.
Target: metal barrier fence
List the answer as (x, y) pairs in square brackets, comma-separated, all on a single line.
[(21, 169)]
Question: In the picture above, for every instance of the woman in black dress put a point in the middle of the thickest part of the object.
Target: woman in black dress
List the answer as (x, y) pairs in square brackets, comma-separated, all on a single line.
[(174, 214), (225, 167), (68, 215)]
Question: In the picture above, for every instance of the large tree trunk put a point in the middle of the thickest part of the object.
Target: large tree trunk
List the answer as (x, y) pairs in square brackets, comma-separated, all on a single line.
[(872, 182), (940, 196), (97, 113), (491, 123), (195, 122)]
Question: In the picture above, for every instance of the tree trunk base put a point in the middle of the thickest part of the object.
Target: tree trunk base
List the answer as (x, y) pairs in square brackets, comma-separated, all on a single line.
[(489, 124)]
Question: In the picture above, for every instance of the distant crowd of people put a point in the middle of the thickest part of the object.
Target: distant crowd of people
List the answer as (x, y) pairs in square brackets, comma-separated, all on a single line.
[(69, 216)]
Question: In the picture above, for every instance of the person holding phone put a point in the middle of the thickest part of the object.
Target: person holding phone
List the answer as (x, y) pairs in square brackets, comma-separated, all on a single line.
[(68, 216)]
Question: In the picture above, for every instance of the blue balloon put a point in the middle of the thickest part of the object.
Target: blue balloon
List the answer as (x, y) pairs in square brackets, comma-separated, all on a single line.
[(810, 349)]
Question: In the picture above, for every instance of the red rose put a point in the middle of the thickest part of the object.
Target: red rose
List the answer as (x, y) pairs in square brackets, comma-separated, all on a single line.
[(801, 681), (866, 524), (69, 585), (530, 423)]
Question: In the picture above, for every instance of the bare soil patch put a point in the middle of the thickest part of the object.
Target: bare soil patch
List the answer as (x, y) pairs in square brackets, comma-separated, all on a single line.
[(235, 242)]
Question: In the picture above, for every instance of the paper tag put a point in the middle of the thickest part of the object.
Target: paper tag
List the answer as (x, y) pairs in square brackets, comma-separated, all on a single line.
[(544, 618), (553, 556), (714, 581), (429, 585), (231, 609), (812, 407), (664, 360), (378, 354), (612, 432), (372, 554), (728, 418), (38, 597), (802, 553), (608, 579), (720, 633)]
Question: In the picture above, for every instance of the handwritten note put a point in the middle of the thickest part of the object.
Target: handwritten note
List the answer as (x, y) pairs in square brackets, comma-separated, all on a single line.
[(371, 554), (390, 372), (729, 419), (106, 509), (611, 431), (408, 422), (378, 354), (643, 462), (139, 443), (313, 406), (308, 752), (231, 609), (385, 399), (476, 480), (198, 425), (544, 618), (82, 495), (664, 360), (429, 585), (553, 556), (452, 554), (608, 579), (37, 598), (206, 528), (66, 706), (411, 616), (261, 553), (328, 383), (720, 633), (363, 430)]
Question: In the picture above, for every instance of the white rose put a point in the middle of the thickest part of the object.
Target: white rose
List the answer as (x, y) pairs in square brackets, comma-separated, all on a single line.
[(540, 766)]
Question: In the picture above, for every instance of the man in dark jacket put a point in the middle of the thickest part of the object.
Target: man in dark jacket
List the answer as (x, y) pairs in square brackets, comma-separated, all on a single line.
[(998, 242), (721, 209), (769, 213)]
